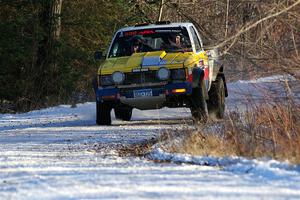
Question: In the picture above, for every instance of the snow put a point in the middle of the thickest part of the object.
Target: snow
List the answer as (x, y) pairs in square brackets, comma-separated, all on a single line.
[(269, 169), (246, 94), (54, 154), (269, 79)]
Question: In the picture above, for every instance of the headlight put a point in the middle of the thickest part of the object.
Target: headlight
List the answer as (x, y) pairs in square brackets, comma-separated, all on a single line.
[(106, 80), (178, 74), (118, 77), (163, 74)]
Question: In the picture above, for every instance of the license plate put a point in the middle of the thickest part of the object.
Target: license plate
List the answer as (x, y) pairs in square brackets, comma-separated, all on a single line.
[(142, 93)]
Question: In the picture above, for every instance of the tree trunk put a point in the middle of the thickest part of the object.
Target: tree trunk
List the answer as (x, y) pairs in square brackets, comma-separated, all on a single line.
[(227, 16), (160, 10), (46, 64), (56, 12)]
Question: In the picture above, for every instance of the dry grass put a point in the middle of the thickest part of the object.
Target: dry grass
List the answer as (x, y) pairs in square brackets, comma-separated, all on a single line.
[(265, 131), (123, 150), (139, 149)]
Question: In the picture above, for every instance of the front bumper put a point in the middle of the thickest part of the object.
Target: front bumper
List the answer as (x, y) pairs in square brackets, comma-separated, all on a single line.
[(126, 94)]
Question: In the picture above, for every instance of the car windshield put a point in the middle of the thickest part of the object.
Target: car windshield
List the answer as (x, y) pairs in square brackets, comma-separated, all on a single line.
[(173, 39)]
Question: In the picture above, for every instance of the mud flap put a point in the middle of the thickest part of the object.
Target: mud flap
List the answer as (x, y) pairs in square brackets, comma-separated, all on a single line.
[(198, 76)]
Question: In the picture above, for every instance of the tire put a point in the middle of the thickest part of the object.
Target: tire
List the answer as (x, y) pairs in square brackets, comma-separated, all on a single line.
[(103, 113), (198, 104), (123, 113), (118, 113), (216, 103)]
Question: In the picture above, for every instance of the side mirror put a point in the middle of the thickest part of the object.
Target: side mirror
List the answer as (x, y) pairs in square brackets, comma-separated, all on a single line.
[(98, 55), (208, 53)]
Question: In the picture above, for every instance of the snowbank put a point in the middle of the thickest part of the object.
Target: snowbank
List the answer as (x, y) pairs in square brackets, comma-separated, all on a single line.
[(270, 169)]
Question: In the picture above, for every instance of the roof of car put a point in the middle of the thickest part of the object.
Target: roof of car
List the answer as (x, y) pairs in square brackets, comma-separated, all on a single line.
[(147, 26)]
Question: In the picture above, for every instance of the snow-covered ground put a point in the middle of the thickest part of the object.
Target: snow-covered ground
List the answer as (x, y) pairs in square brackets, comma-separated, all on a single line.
[(51, 154), (245, 94)]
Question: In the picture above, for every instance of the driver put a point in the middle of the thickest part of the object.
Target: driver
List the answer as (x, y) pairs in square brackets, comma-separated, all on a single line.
[(139, 44), (178, 41), (137, 47), (175, 41)]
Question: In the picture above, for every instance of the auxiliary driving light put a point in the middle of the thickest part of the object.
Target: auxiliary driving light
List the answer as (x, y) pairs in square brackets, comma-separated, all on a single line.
[(163, 74), (118, 77)]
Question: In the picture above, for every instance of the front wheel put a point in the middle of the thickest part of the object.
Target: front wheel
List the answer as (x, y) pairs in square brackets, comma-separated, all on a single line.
[(123, 113), (198, 104), (103, 113), (216, 103)]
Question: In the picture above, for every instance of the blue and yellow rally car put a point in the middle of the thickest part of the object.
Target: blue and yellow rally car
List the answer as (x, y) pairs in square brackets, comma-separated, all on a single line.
[(151, 66)]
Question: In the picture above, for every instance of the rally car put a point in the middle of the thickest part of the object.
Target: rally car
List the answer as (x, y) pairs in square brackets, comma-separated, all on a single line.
[(151, 66)]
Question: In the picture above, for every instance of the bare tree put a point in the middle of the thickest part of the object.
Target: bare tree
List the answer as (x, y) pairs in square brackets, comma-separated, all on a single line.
[(160, 10), (56, 12)]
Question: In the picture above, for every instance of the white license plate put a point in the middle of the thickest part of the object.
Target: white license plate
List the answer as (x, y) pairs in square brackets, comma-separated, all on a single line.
[(142, 93)]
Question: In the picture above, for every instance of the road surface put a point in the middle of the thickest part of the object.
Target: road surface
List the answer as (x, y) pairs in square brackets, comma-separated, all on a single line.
[(59, 153)]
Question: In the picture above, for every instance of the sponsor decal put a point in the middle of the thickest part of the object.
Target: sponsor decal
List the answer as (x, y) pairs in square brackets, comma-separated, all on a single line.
[(147, 32), (168, 31), (153, 61), (206, 72), (142, 32), (206, 76), (130, 33)]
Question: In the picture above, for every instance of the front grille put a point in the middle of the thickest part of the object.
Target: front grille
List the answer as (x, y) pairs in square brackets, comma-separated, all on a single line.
[(106, 80), (141, 77)]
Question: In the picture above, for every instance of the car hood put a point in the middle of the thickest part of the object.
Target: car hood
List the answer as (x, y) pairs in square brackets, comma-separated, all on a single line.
[(150, 60)]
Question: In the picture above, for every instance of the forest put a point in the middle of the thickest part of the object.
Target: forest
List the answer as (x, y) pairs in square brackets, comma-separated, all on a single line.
[(47, 46)]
